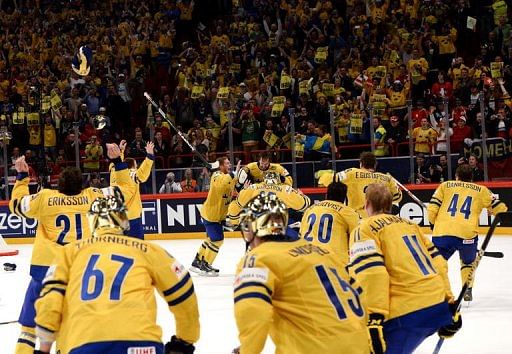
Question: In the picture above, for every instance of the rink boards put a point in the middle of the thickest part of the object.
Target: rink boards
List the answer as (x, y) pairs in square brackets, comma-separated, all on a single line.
[(177, 216)]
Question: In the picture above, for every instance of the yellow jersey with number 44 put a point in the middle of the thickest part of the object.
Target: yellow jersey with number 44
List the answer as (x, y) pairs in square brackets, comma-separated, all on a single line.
[(215, 207), (101, 289), (455, 208), (357, 179), (61, 219), (302, 296), (329, 223), (399, 269)]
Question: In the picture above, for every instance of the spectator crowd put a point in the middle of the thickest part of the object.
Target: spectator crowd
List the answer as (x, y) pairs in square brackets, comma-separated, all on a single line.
[(256, 63)]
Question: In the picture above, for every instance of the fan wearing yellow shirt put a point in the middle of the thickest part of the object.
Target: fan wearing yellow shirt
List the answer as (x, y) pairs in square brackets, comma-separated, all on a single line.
[(330, 222), (98, 295), (358, 179), (403, 277), (424, 137), (60, 220), (298, 293), (255, 171), (417, 67), (454, 210), (213, 214)]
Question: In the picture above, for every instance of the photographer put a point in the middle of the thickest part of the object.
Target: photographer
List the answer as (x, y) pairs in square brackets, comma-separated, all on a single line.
[(170, 185)]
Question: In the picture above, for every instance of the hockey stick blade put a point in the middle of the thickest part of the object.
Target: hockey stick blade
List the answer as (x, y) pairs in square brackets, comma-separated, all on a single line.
[(494, 254), (505, 217)]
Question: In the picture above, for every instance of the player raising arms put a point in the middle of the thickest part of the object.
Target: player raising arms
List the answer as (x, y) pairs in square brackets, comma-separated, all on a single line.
[(292, 198), (330, 221), (298, 292), (213, 213), (130, 184), (98, 295), (61, 219), (357, 179), (403, 276), (255, 171), (454, 210)]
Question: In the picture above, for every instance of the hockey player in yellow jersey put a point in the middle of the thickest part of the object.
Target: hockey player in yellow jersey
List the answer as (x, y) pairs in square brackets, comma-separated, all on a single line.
[(403, 276), (130, 184), (454, 211), (213, 214), (292, 198), (330, 222), (98, 295), (255, 171), (60, 215), (357, 179), (297, 292)]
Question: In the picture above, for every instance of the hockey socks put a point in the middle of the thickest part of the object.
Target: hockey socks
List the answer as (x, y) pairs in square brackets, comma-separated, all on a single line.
[(210, 249), (26, 341), (465, 269)]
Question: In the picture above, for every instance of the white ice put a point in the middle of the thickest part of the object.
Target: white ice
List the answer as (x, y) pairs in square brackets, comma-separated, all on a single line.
[(487, 322)]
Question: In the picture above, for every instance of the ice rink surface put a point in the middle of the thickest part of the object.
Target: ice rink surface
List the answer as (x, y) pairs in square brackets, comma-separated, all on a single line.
[(487, 322)]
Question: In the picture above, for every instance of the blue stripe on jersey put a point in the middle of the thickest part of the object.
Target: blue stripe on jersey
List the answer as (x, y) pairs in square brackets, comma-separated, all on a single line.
[(253, 296), (183, 297), (50, 282), (253, 283), (435, 254), (362, 258), (177, 286), (61, 291), (27, 342), (369, 265)]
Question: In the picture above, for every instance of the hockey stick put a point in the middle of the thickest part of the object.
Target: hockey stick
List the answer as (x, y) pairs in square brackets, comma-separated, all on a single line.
[(494, 254), (413, 197), (8, 322), (180, 133), (472, 271)]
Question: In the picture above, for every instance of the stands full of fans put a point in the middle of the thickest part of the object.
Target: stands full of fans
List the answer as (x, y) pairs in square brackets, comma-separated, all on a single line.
[(253, 62)]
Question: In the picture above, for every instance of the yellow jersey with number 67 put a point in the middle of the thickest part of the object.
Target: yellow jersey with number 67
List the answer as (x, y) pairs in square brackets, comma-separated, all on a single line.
[(302, 296), (357, 179), (399, 269), (455, 208), (101, 289), (329, 223)]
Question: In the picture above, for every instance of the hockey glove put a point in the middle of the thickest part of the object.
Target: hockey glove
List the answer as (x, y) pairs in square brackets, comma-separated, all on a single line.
[(450, 330), (178, 346), (377, 342)]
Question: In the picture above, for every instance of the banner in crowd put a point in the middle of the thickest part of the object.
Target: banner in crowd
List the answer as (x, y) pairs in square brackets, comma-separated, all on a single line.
[(177, 216), (499, 156)]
